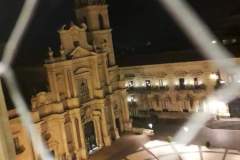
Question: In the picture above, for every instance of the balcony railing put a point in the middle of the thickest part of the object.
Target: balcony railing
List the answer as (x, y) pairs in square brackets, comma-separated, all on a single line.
[(148, 89), (191, 87)]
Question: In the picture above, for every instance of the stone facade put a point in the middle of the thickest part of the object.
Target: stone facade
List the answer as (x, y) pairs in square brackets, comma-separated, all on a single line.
[(86, 106), (175, 87)]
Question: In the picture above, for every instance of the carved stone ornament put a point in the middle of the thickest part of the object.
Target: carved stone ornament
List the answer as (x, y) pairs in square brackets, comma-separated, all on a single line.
[(86, 114), (81, 70), (162, 74), (181, 73), (196, 73)]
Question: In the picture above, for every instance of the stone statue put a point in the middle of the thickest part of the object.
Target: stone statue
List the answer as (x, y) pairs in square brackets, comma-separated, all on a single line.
[(62, 52), (84, 26), (50, 53)]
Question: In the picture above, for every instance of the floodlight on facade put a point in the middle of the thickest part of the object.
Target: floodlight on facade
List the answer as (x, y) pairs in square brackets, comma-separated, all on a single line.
[(214, 76)]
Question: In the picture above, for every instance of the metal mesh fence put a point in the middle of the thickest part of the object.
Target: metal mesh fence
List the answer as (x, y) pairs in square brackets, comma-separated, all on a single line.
[(187, 19)]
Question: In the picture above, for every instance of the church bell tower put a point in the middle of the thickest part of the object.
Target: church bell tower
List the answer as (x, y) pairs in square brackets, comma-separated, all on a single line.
[(94, 13)]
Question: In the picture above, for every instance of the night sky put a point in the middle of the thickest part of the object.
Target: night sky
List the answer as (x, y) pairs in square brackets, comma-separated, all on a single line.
[(139, 26)]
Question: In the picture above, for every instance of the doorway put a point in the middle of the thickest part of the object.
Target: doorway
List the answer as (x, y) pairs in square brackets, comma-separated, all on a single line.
[(90, 136)]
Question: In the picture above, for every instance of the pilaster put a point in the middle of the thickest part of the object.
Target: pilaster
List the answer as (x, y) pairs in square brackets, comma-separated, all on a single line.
[(106, 137), (115, 130)]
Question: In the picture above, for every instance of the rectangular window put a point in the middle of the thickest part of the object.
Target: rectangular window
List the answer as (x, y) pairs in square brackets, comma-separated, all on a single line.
[(161, 83), (148, 83), (130, 84), (83, 91), (181, 82), (196, 82), (76, 43)]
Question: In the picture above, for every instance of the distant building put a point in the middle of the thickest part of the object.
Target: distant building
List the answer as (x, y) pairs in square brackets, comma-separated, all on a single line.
[(85, 107), (175, 87)]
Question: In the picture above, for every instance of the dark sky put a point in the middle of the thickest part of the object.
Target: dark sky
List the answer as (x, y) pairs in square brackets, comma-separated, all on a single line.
[(139, 26)]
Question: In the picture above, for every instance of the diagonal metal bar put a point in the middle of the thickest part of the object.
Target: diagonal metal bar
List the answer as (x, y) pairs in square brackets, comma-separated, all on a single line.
[(18, 31), (6, 71), (202, 37), (25, 115)]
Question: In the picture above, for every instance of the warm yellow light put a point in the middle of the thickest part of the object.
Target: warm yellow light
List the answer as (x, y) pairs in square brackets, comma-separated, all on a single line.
[(191, 82), (176, 83), (137, 84), (165, 83), (218, 107), (213, 76)]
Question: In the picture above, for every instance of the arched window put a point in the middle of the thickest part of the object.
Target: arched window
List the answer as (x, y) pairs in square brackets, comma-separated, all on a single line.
[(83, 90), (101, 21)]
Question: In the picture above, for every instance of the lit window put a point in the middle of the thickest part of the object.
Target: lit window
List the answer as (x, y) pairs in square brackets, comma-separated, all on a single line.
[(161, 83), (148, 83), (214, 76), (83, 90), (130, 84), (165, 83), (196, 83), (131, 99), (181, 82)]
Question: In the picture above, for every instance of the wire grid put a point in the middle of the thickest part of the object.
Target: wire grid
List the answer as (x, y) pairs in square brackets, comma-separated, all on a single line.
[(187, 19)]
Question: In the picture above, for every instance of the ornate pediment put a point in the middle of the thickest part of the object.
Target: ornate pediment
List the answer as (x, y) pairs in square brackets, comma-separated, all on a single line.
[(81, 70), (80, 52), (73, 29)]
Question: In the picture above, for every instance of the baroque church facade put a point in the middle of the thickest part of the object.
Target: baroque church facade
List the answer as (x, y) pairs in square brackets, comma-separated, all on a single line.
[(86, 106)]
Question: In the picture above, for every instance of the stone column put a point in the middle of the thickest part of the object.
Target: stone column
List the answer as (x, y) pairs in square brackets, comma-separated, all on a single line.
[(66, 80), (55, 86), (115, 130), (98, 131), (106, 137), (7, 151), (84, 154), (97, 83), (74, 86), (126, 117), (74, 135), (64, 137)]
